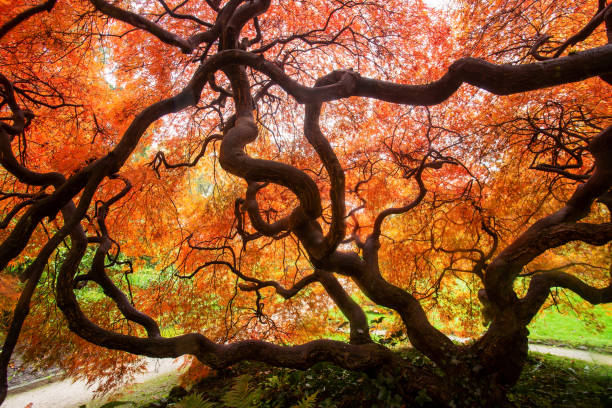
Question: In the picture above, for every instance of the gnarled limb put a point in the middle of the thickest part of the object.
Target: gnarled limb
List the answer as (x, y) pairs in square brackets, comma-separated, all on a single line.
[(287, 293), (172, 13), (541, 283), (216, 355), (160, 157), (33, 272), (66, 189), (98, 269), (234, 160), (511, 315), (314, 135), (21, 311), (580, 36), (360, 331), (380, 218), (507, 331), (504, 79), (21, 118), (260, 225), (187, 45), (557, 228), (24, 15)]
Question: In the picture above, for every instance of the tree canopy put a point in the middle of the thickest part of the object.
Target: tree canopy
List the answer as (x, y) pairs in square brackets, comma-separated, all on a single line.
[(236, 179)]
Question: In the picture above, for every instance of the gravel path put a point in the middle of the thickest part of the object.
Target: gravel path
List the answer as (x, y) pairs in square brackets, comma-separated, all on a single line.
[(68, 394), (584, 355)]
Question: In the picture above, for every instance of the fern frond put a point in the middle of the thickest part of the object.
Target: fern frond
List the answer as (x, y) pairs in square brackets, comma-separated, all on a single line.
[(194, 401), (308, 401), (241, 395)]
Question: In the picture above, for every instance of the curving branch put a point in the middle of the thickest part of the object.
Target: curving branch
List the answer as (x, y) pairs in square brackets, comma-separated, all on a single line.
[(360, 331), (503, 79), (73, 215), (215, 355), (24, 15), (234, 160), (366, 356), (287, 293), (560, 268), (98, 269), (541, 283), (160, 157), (240, 17), (314, 135), (586, 31), (172, 13), (366, 274), (580, 36), (261, 226), (187, 45), (11, 214), (380, 218), (21, 311), (508, 325), (21, 118), (557, 228), (94, 172)]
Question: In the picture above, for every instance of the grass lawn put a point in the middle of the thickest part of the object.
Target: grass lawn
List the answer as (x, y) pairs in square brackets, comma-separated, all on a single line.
[(140, 394), (592, 329)]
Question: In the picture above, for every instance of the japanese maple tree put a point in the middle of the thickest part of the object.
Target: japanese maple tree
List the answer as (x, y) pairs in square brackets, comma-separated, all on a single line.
[(212, 178)]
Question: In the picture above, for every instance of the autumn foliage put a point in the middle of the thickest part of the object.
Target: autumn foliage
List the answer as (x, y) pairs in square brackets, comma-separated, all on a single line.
[(245, 179)]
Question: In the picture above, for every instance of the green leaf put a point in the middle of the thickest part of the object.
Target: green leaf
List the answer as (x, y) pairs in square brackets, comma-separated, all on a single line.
[(194, 401), (114, 404), (241, 395), (308, 401)]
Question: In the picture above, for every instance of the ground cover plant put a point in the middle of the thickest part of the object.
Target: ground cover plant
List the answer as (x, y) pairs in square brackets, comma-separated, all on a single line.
[(244, 179), (546, 381)]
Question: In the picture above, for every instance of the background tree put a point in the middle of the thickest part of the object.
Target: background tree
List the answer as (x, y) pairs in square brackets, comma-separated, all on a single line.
[(178, 157)]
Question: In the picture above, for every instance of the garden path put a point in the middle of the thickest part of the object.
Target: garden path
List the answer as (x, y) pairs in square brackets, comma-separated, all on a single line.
[(68, 394)]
